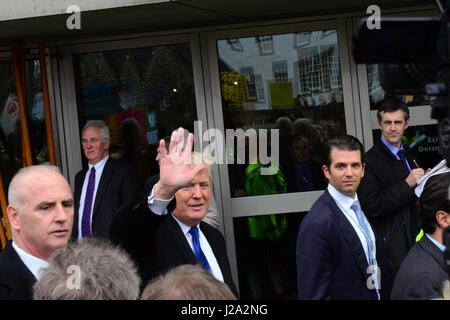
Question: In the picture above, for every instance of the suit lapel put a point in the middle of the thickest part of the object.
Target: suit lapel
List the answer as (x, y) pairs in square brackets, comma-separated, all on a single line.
[(349, 233), (180, 240), (79, 180), (434, 251), (105, 179), (22, 285), (214, 246)]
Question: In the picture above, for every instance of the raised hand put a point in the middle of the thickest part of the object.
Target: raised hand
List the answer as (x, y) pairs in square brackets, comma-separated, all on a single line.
[(176, 168)]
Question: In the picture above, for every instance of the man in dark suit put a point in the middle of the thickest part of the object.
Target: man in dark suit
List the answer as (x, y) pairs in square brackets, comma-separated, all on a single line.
[(338, 256), (40, 212), (387, 189), (302, 173), (423, 272), (166, 230), (102, 188)]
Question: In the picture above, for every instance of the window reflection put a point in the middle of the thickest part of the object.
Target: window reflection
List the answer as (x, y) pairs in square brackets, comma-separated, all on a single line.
[(267, 265), (375, 76), (289, 82), (143, 94), (10, 129)]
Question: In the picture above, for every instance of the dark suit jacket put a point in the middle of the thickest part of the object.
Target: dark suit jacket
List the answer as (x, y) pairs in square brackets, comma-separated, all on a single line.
[(421, 274), (389, 202), (318, 179), (118, 186), (16, 280), (157, 243), (331, 263)]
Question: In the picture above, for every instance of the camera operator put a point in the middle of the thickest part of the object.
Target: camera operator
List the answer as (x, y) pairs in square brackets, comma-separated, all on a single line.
[(423, 272)]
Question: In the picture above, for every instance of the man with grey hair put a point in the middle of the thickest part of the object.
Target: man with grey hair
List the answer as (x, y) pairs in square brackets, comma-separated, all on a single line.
[(40, 212), (91, 270), (103, 187)]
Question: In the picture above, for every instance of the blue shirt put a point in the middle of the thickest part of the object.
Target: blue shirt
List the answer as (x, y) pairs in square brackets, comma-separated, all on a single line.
[(394, 150), (440, 246)]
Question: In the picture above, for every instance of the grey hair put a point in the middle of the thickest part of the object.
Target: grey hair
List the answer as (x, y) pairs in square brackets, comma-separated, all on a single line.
[(15, 194), (99, 124), (187, 282), (106, 272)]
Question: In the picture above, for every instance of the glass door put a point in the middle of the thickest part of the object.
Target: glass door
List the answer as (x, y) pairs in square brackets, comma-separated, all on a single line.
[(278, 94)]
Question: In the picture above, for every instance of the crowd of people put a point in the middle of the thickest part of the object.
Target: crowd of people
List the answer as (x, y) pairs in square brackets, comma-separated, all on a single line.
[(115, 239)]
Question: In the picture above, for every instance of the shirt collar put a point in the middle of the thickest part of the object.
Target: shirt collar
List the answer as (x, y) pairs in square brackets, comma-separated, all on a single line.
[(392, 149), (439, 245), (184, 227), (343, 199), (99, 164), (33, 263)]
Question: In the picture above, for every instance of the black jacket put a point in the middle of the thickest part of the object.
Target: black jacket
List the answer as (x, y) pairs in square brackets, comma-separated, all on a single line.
[(157, 243), (422, 273), (119, 186), (16, 280), (389, 202)]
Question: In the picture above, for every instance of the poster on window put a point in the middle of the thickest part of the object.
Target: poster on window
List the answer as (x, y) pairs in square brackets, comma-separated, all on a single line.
[(10, 114)]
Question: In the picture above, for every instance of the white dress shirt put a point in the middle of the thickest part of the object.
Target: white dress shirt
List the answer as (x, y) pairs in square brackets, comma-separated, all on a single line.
[(159, 207), (345, 202), (99, 166), (31, 262)]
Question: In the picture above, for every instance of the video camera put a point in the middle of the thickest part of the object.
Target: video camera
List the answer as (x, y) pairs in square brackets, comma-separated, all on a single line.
[(415, 53)]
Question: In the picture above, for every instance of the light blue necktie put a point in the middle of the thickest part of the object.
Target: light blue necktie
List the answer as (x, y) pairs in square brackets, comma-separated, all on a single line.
[(201, 258), (362, 222)]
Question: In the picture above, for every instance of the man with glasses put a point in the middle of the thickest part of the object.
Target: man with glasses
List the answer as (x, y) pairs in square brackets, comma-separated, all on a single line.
[(103, 187)]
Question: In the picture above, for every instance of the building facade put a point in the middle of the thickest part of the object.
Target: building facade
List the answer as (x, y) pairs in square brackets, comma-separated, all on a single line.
[(147, 67)]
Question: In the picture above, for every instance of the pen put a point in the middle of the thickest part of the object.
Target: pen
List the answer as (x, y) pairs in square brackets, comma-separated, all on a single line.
[(415, 162)]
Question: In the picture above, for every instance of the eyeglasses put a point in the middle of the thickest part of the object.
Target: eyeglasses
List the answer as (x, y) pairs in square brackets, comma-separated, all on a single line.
[(91, 141)]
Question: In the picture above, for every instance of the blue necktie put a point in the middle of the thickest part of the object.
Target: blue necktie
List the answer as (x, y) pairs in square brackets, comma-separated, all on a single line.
[(201, 258), (401, 155), (86, 219), (359, 215)]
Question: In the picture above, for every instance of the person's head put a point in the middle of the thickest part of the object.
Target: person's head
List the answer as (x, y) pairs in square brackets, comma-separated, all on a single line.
[(95, 141), (393, 120), (299, 149), (433, 206), (344, 166), (193, 199), (187, 282), (40, 210), (284, 124), (91, 270)]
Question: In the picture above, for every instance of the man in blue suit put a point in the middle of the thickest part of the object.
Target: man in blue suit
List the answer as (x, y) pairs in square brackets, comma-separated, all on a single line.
[(338, 256)]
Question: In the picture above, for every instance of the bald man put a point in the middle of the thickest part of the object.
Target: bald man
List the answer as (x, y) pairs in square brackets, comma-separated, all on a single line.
[(40, 213)]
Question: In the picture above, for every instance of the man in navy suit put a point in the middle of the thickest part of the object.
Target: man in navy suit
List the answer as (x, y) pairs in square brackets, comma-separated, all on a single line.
[(115, 184), (40, 212), (338, 256)]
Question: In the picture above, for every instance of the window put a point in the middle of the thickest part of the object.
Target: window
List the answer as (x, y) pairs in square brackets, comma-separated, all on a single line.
[(280, 71), (143, 94), (250, 82), (235, 45), (302, 39), (265, 45)]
